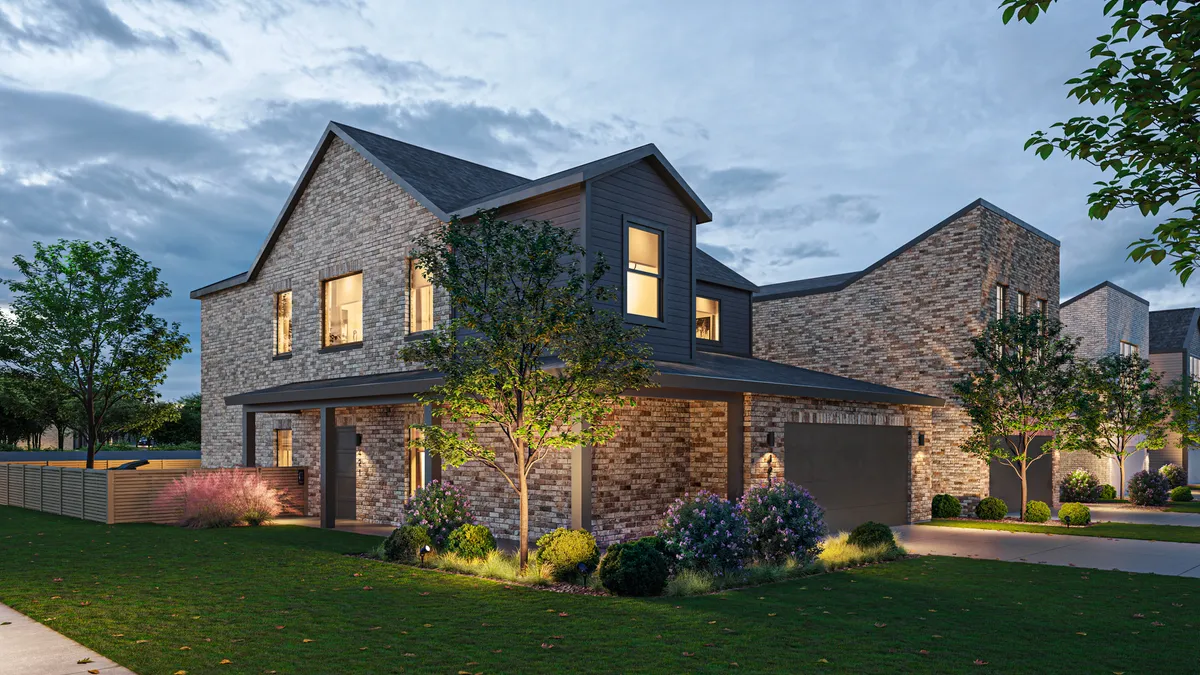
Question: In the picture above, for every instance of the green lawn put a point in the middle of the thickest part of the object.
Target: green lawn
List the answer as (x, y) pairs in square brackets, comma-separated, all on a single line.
[(1184, 507), (140, 593), (1180, 533)]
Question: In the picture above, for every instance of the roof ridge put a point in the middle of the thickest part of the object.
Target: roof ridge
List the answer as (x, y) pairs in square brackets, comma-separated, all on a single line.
[(1104, 284)]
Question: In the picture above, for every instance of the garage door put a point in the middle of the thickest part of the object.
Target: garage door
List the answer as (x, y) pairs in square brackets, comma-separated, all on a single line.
[(856, 472)]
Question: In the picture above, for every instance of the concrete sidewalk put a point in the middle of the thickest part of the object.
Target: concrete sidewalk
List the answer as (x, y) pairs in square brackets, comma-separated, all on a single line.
[(29, 648), (1127, 555), (1123, 514)]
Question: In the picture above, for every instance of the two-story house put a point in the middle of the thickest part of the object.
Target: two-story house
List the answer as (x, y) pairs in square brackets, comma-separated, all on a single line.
[(1175, 355), (300, 363), (1107, 319), (907, 321)]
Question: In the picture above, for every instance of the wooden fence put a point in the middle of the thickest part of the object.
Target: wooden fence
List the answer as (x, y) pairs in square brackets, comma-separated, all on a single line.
[(152, 464), (123, 496)]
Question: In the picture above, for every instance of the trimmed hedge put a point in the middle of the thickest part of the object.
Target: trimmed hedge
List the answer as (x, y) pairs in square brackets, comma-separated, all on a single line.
[(1182, 493), (1149, 489), (634, 568), (405, 542), (471, 541), (991, 508), (1037, 512), (946, 506), (1108, 492), (1074, 513), (563, 550), (871, 534)]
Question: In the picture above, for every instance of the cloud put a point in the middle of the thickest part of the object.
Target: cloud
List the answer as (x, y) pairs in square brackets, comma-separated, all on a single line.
[(395, 76), (807, 249), (69, 24), (737, 182)]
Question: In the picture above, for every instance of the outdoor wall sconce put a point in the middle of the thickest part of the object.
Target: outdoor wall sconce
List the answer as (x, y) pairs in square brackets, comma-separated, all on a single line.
[(770, 439), (358, 439), (921, 438)]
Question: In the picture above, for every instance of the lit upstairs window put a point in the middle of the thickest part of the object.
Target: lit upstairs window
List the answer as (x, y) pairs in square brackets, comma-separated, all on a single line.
[(420, 299), (708, 319), (343, 310), (643, 274), (283, 322)]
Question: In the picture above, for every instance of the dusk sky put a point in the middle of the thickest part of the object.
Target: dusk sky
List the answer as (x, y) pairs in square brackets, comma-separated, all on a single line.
[(822, 134)]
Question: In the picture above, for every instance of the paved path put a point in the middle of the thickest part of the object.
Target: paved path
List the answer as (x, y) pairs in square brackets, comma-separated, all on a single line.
[(29, 648), (1122, 514), (1128, 555)]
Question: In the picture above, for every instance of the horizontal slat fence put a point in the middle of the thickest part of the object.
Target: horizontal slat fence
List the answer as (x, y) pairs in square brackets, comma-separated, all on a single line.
[(153, 465), (124, 496)]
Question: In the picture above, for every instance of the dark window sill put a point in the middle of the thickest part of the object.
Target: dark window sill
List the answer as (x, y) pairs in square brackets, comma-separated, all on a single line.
[(422, 335), (282, 357), (340, 348), (645, 321), (701, 342)]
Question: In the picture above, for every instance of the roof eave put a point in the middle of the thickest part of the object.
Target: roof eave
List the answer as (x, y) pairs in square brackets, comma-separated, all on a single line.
[(709, 383)]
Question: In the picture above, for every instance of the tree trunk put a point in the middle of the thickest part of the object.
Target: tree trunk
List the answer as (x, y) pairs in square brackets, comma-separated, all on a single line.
[(524, 535), (62, 436), (91, 451), (1024, 488), (1121, 487)]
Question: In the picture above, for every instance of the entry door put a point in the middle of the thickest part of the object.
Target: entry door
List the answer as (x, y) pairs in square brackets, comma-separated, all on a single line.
[(856, 472), (346, 473)]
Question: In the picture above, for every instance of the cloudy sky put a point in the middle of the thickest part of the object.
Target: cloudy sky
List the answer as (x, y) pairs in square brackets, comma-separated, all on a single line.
[(822, 134)]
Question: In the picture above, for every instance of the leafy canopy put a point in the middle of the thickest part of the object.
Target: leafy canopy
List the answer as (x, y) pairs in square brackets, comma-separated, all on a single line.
[(1145, 77), (1024, 385), (1183, 396), (80, 319), (1121, 400)]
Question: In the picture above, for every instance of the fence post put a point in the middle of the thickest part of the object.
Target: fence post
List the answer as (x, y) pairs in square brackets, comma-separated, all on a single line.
[(111, 475)]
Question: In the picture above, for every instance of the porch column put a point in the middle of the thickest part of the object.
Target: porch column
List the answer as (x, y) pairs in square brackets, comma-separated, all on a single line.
[(328, 467), (248, 438), (431, 465), (735, 446)]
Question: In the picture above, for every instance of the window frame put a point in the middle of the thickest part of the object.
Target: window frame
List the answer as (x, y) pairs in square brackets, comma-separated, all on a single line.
[(291, 448), (628, 222), (1022, 303), (412, 267), (1000, 301), (706, 341), (291, 311), (1193, 366), (326, 348), (1134, 350)]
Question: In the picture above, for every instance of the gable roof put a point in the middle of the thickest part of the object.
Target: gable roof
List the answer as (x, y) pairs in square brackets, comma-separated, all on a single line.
[(714, 271), (1172, 330), (1104, 284), (448, 186), (836, 282)]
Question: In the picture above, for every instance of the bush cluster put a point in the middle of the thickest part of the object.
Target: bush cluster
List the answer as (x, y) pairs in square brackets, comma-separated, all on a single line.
[(946, 506), (471, 541), (1079, 486), (1108, 492), (871, 534), (783, 522), (221, 499), (1182, 493), (1175, 475), (991, 508), (405, 542), (635, 568), (562, 551), (440, 508), (705, 532), (1037, 512), (1074, 513), (1148, 489)]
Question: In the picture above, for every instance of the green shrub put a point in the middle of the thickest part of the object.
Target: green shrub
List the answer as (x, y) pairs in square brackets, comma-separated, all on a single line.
[(634, 568), (1182, 493), (946, 506), (1174, 474), (837, 552), (1074, 513), (1108, 492), (1079, 486), (657, 542), (991, 508), (471, 541), (405, 542), (871, 534), (690, 582), (1149, 489), (562, 550), (1037, 512)]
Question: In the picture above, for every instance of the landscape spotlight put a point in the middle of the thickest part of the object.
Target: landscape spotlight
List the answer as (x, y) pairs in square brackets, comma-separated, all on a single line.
[(425, 551)]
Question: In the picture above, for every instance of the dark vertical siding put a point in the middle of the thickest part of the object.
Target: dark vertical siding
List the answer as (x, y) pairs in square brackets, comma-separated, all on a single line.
[(639, 193), (735, 319)]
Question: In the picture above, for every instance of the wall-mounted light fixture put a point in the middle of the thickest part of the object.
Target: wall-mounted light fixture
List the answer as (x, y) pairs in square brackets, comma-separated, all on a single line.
[(921, 438), (358, 439), (770, 439)]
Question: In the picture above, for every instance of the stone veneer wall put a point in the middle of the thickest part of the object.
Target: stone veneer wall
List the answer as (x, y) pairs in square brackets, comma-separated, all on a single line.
[(908, 324)]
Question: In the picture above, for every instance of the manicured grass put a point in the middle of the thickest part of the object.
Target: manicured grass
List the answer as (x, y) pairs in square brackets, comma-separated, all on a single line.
[(1180, 533), (138, 593), (1184, 507)]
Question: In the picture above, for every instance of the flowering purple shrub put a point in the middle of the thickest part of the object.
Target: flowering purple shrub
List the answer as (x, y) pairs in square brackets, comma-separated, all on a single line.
[(438, 507), (1148, 488), (705, 532), (784, 522)]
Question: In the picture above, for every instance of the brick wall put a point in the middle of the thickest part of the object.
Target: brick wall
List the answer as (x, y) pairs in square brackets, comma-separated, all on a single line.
[(1103, 319), (909, 322)]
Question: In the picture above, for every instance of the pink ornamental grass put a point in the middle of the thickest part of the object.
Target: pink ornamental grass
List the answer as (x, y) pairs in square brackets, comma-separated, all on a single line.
[(221, 499)]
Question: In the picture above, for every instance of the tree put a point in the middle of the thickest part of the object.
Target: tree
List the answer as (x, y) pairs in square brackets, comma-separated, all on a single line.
[(1183, 398), (1120, 400), (1024, 387), (80, 318), (528, 350), (187, 428), (1144, 75)]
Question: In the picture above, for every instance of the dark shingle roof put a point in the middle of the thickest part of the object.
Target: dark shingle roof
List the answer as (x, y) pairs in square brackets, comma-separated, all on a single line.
[(1171, 330), (804, 285), (449, 182), (714, 271)]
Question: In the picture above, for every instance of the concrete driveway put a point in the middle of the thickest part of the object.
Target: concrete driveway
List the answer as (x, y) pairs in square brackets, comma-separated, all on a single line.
[(1127, 555), (1124, 514)]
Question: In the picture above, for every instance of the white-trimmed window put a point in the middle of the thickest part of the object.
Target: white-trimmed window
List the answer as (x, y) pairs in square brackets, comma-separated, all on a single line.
[(1194, 367), (283, 447), (343, 310), (1001, 300), (420, 299), (1128, 349), (1022, 303), (708, 319), (643, 273), (283, 323)]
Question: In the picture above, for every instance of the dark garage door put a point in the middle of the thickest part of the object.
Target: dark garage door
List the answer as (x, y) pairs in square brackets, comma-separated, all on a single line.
[(856, 472), (1005, 484)]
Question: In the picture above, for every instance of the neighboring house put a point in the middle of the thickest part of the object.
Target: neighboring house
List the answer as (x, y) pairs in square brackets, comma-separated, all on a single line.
[(300, 365), (907, 322), (1175, 354), (1108, 320)]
